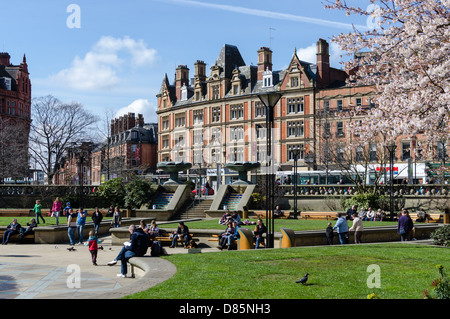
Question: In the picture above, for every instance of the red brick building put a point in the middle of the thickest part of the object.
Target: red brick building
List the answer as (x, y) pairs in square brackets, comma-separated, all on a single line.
[(15, 117)]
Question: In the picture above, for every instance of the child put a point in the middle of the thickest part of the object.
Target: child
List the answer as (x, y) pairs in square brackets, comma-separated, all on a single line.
[(329, 233), (93, 247), (38, 211)]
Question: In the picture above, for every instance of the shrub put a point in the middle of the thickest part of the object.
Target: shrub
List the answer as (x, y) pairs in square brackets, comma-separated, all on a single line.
[(113, 191), (138, 192), (365, 200), (440, 288), (441, 236)]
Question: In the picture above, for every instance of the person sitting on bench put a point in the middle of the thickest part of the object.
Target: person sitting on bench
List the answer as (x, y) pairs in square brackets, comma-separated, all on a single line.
[(13, 228)]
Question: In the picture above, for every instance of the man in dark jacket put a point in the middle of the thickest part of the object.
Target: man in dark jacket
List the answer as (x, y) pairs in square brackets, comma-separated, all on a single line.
[(350, 212), (13, 228), (182, 233), (405, 226), (136, 247)]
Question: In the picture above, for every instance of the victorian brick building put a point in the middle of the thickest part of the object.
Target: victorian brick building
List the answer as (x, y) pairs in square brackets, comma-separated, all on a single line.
[(15, 117), (219, 118), (131, 149)]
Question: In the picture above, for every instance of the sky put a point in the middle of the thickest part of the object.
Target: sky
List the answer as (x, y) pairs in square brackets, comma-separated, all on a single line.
[(112, 56)]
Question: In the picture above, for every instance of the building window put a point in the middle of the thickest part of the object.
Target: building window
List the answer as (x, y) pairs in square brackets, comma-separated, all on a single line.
[(236, 133), (359, 154), (237, 154), (215, 114), (339, 129), (165, 142), (215, 92), (294, 82), (295, 105), (326, 106), (237, 111), (260, 131), (326, 129), (198, 117), (373, 152), (339, 105), (295, 129), (261, 153), (406, 151), (165, 123), (299, 148), (260, 110), (358, 101), (180, 121), (198, 137)]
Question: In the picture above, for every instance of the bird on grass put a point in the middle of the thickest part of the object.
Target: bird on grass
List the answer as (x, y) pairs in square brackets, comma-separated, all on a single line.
[(303, 280)]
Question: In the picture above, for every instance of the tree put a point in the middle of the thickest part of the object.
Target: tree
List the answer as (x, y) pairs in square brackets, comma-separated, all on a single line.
[(13, 149), (55, 126), (406, 59)]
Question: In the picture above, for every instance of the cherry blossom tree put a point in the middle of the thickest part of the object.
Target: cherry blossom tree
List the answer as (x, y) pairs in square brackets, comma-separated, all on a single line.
[(406, 52)]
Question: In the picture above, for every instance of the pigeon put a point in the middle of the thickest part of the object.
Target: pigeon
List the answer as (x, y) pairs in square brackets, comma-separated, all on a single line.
[(303, 280), (71, 249)]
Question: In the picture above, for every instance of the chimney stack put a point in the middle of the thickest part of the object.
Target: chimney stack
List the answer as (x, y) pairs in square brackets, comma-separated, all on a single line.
[(181, 78), (264, 61)]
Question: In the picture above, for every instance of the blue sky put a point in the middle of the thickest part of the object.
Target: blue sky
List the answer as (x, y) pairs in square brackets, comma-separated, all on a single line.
[(116, 60)]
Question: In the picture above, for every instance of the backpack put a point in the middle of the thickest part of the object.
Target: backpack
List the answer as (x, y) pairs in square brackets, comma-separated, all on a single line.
[(157, 249)]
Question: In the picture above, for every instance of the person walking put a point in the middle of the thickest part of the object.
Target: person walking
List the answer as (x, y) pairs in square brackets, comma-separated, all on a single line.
[(72, 226), (57, 209), (405, 226), (97, 218), (342, 230), (116, 218), (38, 211), (81, 222), (357, 226)]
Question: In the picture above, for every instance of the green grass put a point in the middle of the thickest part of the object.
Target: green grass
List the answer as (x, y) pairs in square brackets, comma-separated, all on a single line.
[(336, 272), (294, 224), (5, 221)]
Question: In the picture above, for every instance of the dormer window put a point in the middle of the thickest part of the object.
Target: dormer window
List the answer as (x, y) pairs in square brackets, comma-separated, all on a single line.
[(5, 83), (184, 93), (267, 78)]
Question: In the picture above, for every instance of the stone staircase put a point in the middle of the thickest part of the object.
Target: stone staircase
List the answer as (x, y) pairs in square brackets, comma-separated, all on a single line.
[(196, 210)]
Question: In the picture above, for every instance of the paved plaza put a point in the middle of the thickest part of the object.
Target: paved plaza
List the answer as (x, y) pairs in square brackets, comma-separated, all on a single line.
[(53, 272)]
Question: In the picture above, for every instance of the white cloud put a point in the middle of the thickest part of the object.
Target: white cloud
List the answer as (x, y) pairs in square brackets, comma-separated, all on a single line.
[(99, 68), (140, 106), (308, 54)]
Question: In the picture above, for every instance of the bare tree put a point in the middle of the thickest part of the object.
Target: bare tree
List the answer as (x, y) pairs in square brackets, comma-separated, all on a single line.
[(55, 126), (13, 149)]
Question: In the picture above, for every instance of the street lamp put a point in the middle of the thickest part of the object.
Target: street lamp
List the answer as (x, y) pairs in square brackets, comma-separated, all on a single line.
[(295, 152), (391, 148), (269, 100)]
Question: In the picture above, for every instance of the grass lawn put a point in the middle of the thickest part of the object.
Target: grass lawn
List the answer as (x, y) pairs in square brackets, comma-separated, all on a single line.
[(5, 221), (336, 272), (294, 224)]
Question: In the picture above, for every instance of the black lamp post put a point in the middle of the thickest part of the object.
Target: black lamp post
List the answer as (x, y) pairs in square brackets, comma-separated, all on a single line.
[(295, 152), (269, 100), (391, 148)]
